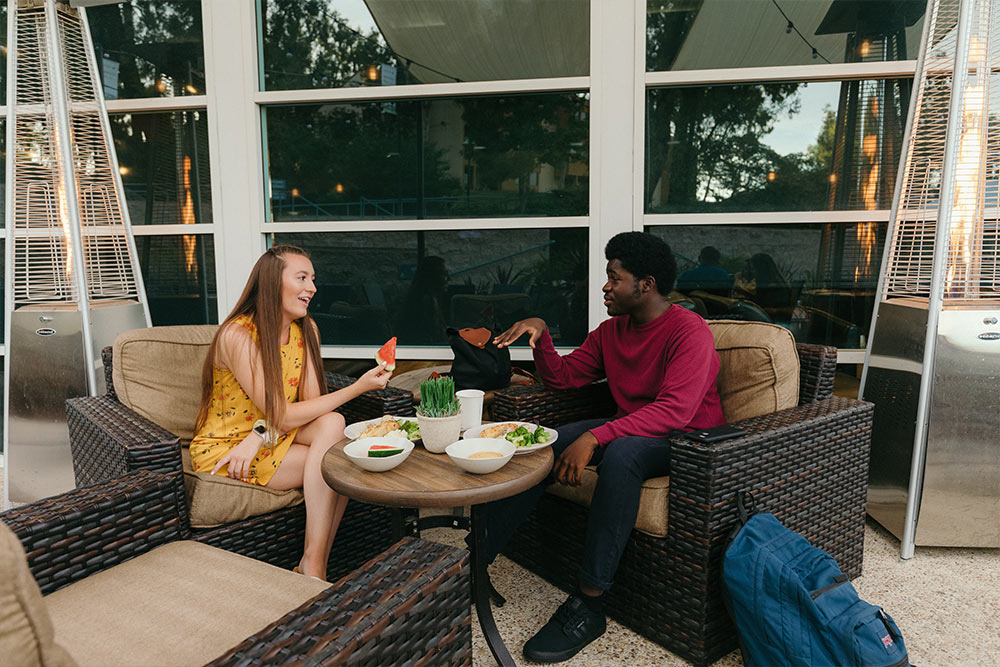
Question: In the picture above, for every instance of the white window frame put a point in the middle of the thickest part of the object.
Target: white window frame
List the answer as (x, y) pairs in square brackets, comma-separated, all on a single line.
[(233, 102)]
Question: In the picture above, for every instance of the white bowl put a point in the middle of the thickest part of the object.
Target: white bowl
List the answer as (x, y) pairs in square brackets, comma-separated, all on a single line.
[(357, 452), (459, 452)]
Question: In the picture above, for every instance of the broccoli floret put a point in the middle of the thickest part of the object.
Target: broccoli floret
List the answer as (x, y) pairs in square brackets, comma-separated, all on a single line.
[(541, 435)]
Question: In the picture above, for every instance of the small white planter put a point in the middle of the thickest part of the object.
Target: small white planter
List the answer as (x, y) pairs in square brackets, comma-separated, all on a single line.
[(439, 432)]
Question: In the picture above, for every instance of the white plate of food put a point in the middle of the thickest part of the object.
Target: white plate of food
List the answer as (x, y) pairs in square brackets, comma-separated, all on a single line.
[(525, 437), (388, 426)]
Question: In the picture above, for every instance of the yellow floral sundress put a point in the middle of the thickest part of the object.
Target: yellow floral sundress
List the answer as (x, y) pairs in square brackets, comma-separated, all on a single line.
[(232, 414)]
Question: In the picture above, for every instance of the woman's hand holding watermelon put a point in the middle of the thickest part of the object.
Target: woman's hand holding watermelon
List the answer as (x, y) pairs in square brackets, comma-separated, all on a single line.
[(375, 379)]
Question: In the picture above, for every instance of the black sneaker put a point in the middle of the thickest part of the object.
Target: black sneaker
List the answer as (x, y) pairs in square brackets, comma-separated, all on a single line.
[(573, 626)]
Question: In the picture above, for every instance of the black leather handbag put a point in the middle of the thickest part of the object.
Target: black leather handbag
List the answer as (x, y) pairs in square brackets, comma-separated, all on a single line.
[(479, 363)]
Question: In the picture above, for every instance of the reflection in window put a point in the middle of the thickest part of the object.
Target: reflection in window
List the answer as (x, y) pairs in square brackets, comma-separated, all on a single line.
[(149, 48), (708, 34), (516, 155), (413, 285), (163, 160), (347, 43), (818, 280), (179, 275), (775, 146)]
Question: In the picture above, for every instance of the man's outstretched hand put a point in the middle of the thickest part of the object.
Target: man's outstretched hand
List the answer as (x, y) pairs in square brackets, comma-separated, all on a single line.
[(533, 326)]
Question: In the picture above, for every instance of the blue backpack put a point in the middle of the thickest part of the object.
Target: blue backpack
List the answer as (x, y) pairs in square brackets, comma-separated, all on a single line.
[(793, 606)]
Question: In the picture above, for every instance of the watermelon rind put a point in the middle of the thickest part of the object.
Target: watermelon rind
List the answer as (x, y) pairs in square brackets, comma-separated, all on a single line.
[(382, 453)]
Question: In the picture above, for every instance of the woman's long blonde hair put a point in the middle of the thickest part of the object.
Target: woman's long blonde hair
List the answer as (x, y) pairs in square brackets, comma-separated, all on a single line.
[(261, 301)]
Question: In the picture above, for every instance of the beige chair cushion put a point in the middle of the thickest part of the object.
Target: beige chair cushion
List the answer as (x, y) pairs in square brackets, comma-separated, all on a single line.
[(157, 373), (214, 500), (26, 635), (184, 603), (759, 368), (652, 517)]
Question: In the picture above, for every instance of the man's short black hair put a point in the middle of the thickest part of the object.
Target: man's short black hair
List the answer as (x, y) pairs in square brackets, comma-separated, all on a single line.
[(643, 254)]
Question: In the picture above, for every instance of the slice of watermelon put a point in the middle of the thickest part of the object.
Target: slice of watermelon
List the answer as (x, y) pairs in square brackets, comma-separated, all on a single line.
[(387, 354), (382, 451)]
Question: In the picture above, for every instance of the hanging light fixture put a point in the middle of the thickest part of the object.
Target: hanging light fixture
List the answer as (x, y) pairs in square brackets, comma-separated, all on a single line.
[(934, 359)]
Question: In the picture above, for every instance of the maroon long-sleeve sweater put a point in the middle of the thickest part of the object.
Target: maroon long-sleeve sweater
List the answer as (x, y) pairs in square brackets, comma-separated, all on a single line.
[(662, 373)]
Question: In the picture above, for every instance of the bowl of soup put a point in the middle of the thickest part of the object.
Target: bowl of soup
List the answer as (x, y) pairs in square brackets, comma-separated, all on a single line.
[(480, 455)]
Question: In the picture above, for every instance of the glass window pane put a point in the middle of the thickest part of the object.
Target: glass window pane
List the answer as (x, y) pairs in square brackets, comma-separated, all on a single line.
[(179, 275), (350, 43), (818, 280), (774, 146), (515, 155), (371, 286), (709, 34), (149, 48), (163, 159)]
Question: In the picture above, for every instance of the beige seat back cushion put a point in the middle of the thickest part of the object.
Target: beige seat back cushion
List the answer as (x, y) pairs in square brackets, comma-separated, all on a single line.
[(26, 635), (214, 500), (652, 516), (157, 373), (758, 368), (184, 603)]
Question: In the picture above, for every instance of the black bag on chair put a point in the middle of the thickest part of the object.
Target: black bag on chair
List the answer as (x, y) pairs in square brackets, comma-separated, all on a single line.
[(479, 363)]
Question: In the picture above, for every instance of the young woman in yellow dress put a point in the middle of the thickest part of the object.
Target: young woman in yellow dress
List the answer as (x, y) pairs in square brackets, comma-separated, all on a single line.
[(266, 417)]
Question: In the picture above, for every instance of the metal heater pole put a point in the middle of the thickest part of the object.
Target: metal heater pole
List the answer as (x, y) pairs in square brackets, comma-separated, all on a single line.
[(904, 158), (960, 75), (8, 287), (60, 107)]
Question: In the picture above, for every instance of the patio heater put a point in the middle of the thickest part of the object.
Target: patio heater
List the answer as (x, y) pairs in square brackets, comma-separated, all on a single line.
[(72, 281), (934, 360)]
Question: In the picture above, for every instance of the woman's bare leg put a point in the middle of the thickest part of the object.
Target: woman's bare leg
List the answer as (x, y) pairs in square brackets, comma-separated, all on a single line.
[(302, 467)]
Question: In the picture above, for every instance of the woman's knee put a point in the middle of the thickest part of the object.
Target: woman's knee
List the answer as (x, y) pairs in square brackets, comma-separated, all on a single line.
[(331, 421)]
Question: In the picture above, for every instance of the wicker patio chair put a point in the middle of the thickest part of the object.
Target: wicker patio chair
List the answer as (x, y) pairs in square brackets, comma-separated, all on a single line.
[(87, 548), (806, 464), (108, 440)]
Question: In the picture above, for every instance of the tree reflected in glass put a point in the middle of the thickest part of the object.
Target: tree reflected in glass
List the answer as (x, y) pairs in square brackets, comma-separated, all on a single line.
[(149, 49), (349, 43), (514, 155), (773, 147)]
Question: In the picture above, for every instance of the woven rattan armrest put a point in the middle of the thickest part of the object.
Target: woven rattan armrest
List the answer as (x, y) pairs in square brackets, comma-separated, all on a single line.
[(553, 407), (808, 465), (109, 440), (817, 370), (409, 605), (71, 536)]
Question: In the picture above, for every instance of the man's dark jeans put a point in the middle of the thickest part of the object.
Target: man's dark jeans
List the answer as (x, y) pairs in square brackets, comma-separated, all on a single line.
[(622, 466)]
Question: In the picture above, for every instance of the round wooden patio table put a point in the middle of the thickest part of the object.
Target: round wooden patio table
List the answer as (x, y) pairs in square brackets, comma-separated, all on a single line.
[(432, 480)]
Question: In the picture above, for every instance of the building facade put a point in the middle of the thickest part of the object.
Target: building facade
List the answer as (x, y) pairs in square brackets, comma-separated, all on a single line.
[(462, 163)]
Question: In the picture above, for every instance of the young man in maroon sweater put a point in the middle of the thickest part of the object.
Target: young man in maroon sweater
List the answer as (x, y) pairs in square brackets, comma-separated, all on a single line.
[(661, 366)]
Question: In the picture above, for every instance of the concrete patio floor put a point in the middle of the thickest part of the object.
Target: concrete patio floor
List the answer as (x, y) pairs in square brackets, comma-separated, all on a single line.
[(946, 602)]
